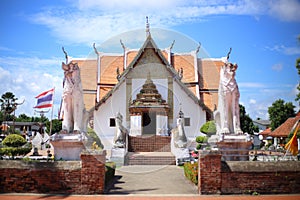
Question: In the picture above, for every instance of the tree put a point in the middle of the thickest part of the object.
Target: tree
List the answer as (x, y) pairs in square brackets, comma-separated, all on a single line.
[(8, 104), (56, 126), (23, 118), (247, 125), (279, 112)]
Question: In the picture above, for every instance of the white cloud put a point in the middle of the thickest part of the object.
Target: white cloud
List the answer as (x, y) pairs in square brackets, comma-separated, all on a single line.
[(259, 100), (285, 10), (27, 77), (127, 4), (88, 21), (277, 67), (252, 101), (284, 49), (251, 85)]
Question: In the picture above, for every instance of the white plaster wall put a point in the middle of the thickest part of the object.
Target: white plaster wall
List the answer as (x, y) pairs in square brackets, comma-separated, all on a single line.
[(115, 103), (190, 109)]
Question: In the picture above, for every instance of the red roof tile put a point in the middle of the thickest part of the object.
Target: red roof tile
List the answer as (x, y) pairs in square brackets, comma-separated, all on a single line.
[(284, 129), (266, 133)]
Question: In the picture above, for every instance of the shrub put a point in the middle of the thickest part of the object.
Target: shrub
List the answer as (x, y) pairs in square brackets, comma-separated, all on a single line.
[(201, 139), (15, 151), (191, 171), (14, 140), (209, 128), (93, 137), (198, 147)]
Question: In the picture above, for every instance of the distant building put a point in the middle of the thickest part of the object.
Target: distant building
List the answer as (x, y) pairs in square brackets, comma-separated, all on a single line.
[(29, 127), (282, 132), (266, 133), (262, 124)]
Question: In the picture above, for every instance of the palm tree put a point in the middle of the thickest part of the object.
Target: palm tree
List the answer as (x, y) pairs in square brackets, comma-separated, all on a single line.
[(8, 103)]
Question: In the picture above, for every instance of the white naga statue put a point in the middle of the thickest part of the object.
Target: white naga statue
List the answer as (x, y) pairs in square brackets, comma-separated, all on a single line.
[(73, 112), (178, 133), (227, 116), (121, 132)]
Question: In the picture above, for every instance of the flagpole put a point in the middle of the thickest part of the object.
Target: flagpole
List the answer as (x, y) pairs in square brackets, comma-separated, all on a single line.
[(52, 111)]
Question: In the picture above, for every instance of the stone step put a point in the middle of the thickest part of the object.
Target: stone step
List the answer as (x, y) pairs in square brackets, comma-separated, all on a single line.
[(150, 158), (149, 143)]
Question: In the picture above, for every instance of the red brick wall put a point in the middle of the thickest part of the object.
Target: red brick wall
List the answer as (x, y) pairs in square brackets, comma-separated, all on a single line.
[(61, 177), (261, 182), (92, 174), (246, 177), (209, 173), (154, 143)]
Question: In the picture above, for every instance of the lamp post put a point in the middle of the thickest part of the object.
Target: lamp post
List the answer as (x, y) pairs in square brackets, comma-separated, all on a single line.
[(42, 114), (14, 108)]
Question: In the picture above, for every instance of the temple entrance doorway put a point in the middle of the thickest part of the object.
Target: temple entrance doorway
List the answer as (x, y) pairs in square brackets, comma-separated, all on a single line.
[(149, 123)]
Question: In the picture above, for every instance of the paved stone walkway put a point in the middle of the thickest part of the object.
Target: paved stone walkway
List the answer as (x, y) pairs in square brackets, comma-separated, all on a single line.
[(152, 179), (145, 197)]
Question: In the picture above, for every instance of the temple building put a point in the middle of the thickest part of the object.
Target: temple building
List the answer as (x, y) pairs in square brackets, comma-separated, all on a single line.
[(149, 87)]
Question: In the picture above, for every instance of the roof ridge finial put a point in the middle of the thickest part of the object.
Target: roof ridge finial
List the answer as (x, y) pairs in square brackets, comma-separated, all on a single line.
[(147, 27), (149, 76)]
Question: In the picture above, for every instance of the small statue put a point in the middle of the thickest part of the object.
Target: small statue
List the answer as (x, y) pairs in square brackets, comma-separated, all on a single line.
[(178, 133), (121, 132), (118, 74), (180, 73)]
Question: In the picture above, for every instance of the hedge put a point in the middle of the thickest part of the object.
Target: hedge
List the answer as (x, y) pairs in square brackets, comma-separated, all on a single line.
[(15, 151), (191, 171), (14, 140)]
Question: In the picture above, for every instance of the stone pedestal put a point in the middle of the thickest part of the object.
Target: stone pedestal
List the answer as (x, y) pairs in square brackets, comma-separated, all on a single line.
[(234, 147), (118, 156), (181, 154), (67, 146)]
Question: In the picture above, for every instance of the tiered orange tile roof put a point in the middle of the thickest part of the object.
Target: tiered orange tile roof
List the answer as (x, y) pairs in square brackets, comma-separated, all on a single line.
[(208, 75), (284, 129)]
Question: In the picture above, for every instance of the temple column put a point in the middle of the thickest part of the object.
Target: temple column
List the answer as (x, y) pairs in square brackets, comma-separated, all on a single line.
[(135, 125), (162, 125)]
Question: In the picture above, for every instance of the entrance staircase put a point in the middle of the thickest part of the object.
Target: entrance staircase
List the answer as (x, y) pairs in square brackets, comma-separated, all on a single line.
[(150, 158), (149, 150)]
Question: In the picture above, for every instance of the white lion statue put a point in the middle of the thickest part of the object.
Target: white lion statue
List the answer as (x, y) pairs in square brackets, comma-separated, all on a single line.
[(73, 113), (227, 116)]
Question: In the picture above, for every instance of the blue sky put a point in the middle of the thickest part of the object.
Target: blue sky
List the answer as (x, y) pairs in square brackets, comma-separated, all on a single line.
[(263, 36)]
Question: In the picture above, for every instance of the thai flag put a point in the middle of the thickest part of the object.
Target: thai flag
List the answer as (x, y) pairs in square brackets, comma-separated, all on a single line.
[(45, 99)]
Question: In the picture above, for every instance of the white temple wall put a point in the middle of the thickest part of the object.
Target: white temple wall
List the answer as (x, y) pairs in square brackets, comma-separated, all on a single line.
[(115, 103), (191, 110)]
